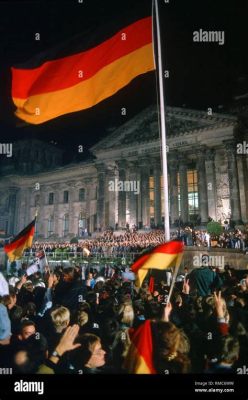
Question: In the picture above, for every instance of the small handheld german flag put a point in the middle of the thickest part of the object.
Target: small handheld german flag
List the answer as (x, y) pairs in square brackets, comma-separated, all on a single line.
[(161, 257), (22, 241)]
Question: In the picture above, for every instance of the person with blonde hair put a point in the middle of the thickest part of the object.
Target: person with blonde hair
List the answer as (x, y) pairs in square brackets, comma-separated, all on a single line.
[(60, 318), (126, 315)]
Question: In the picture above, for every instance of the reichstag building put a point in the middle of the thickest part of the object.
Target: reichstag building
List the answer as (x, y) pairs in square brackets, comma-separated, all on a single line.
[(122, 184)]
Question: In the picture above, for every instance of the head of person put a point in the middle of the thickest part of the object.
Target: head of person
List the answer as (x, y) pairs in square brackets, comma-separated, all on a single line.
[(228, 350), (22, 363), (10, 300), (27, 329), (90, 354), (82, 318), (68, 274), (30, 355), (171, 348), (60, 318), (126, 314)]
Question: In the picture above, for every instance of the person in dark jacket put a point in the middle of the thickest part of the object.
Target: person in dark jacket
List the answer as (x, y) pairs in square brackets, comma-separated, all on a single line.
[(204, 281)]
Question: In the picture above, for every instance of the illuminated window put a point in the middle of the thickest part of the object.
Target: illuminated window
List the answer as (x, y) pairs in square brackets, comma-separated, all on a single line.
[(193, 193)]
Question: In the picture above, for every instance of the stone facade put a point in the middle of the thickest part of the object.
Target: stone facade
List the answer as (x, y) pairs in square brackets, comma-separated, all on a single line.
[(123, 185)]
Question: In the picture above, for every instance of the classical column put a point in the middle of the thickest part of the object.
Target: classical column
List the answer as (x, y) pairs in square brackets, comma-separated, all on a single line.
[(139, 197), (133, 195), (202, 185), (184, 204), (157, 192), (12, 209), (233, 180), (145, 192), (211, 183), (28, 195), (88, 182), (111, 199), (122, 195), (56, 211), (101, 173), (72, 211), (173, 169)]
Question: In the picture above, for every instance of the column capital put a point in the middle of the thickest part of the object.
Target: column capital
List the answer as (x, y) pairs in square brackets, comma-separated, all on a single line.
[(101, 168), (155, 162), (201, 152), (14, 189), (231, 148), (121, 164), (210, 154), (173, 160), (144, 161)]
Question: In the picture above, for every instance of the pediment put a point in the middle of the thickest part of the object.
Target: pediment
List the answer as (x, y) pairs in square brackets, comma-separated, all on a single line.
[(143, 128)]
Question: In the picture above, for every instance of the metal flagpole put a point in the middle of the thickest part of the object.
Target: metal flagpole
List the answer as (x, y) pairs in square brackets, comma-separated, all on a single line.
[(163, 126)]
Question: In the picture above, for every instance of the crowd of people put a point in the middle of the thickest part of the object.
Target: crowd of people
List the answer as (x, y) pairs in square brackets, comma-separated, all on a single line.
[(110, 244), (82, 321)]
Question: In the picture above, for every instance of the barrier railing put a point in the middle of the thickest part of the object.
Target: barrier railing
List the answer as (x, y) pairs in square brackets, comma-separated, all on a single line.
[(76, 257)]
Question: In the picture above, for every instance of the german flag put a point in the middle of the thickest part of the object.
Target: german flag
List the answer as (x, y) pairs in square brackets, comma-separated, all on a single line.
[(161, 257), (45, 87), (22, 241), (139, 359)]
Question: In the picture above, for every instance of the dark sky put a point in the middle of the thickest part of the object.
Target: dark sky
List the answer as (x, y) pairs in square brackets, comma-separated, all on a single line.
[(201, 75)]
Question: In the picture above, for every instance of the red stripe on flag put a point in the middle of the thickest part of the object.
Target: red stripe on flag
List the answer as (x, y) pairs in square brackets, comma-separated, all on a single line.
[(141, 338), (138, 264), (64, 72), (19, 242), (173, 247)]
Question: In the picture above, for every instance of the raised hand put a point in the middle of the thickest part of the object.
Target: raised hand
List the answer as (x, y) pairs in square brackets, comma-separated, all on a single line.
[(167, 311), (219, 305), (67, 341), (186, 287)]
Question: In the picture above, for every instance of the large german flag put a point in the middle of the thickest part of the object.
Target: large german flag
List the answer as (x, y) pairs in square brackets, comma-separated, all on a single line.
[(161, 257), (43, 90), (22, 241)]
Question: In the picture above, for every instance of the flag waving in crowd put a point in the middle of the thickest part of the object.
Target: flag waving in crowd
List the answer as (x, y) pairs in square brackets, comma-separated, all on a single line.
[(39, 263), (54, 84), (22, 241), (161, 257), (139, 359)]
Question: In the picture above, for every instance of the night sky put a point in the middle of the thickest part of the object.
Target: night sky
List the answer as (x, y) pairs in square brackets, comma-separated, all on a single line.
[(201, 75)]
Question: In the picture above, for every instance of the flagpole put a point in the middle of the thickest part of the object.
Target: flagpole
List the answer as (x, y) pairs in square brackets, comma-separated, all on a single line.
[(173, 282), (163, 127)]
